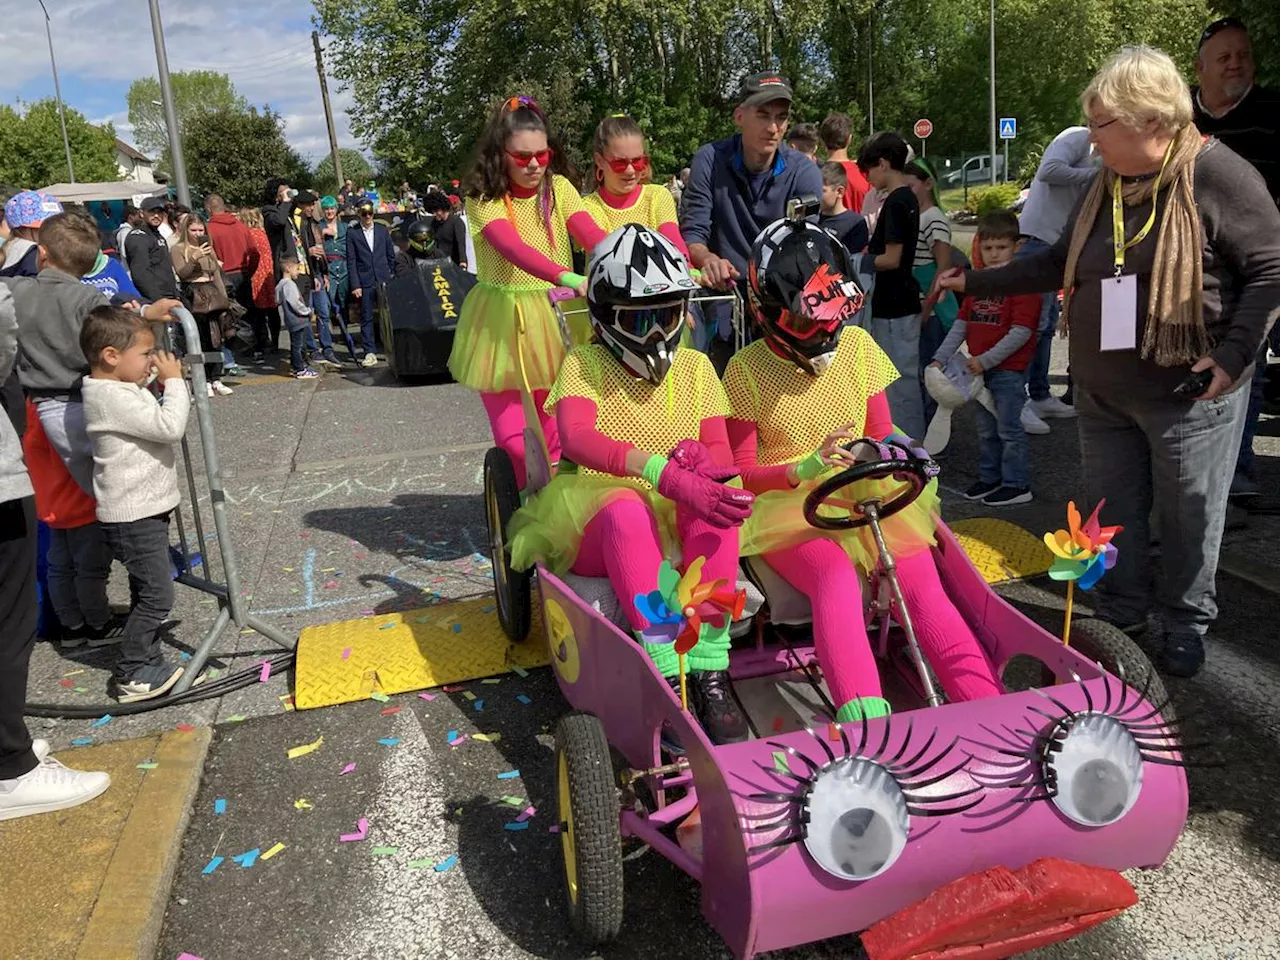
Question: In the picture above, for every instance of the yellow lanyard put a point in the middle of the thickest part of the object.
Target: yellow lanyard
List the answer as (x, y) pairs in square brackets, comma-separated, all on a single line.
[(1117, 214)]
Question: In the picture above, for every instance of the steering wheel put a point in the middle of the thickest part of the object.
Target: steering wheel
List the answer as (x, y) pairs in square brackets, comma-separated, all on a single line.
[(911, 471)]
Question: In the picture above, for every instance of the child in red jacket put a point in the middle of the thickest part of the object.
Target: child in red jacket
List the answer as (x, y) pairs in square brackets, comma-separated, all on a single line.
[(1000, 333)]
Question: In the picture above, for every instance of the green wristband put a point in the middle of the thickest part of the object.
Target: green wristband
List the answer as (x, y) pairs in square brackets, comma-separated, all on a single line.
[(652, 471), (571, 280), (811, 467)]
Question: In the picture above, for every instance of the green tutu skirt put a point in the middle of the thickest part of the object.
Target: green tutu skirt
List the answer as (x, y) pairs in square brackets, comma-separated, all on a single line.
[(777, 522), (548, 529), (486, 344)]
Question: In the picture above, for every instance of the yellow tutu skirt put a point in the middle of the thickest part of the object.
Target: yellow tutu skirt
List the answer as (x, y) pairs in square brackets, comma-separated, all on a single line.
[(548, 528), (777, 522), (487, 339)]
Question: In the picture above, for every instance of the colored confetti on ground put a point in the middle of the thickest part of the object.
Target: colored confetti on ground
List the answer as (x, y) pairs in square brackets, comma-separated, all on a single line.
[(304, 749)]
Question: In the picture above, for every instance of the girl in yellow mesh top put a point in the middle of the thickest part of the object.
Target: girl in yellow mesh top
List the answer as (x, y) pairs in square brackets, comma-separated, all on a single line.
[(796, 397), (521, 209)]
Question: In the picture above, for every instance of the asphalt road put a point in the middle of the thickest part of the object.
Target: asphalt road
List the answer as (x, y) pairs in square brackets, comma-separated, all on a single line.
[(354, 494)]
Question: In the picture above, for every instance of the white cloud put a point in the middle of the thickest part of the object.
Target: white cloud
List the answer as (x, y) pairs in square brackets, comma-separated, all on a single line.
[(102, 44)]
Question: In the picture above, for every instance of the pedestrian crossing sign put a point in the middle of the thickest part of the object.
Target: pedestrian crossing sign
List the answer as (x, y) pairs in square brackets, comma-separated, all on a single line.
[(1008, 128)]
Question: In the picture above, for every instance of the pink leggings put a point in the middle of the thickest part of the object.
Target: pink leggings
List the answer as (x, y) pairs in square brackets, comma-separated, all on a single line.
[(823, 572), (506, 418), (621, 542)]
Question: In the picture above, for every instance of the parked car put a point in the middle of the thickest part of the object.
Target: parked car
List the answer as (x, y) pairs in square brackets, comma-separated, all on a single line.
[(975, 171)]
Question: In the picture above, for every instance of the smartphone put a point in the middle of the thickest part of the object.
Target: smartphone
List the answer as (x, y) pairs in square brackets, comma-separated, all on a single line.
[(1194, 385)]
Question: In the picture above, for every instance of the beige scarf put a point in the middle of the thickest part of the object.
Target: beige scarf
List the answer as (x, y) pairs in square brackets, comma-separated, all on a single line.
[(1175, 332)]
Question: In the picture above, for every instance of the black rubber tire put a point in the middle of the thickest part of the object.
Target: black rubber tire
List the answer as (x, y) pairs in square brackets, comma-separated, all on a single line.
[(595, 834), (1110, 646), (512, 588)]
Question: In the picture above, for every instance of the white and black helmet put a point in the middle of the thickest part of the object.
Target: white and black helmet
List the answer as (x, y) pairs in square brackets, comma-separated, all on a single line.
[(638, 288)]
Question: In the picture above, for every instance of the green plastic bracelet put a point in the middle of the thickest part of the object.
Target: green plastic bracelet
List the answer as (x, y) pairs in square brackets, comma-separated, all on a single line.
[(811, 467), (653, 470)]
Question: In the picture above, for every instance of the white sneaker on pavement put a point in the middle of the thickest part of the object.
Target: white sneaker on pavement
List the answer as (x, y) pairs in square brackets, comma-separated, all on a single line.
[(50, 786), (370, 360), (221, 389), (1032, 423), (1052, 408), (40, 748)]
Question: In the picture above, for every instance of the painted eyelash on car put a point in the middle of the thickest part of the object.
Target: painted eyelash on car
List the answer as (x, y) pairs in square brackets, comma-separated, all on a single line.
[(1157, 739), (911, 774)]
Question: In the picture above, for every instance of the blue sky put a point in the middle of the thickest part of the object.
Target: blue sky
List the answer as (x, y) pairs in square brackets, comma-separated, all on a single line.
[(102, 45)]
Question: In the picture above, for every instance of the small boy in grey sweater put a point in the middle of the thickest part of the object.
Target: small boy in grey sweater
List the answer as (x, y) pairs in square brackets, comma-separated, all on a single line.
[(295, 315), (135, 480)]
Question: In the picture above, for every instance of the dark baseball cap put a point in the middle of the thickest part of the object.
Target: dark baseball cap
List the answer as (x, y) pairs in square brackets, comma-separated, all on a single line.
[(759, 88), (152, 203), (305, 197), (1226, 23)]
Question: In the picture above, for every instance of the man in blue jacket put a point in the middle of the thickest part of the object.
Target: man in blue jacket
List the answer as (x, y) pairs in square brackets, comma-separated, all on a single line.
[(738, 186), (371, 260)]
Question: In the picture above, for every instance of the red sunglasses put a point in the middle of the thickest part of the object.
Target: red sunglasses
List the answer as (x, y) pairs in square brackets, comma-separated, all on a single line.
[(523, 157), (620, 164)]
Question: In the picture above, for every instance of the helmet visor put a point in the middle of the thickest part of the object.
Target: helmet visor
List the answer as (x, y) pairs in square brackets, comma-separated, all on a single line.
[(656, 321)]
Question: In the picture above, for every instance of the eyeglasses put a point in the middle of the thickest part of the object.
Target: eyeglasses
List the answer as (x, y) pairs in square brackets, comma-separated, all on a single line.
[(1095, 127), (621, 164), (524, 158)]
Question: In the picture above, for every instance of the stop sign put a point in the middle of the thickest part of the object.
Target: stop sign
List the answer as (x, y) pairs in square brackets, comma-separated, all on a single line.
[(923, 128)]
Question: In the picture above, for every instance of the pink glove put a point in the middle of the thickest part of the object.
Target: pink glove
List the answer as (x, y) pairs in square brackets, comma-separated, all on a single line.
[(693, 456), (713, 502)]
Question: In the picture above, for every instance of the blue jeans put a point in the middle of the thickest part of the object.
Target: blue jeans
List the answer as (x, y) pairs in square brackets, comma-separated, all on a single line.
[(321, 307), (931, 336), (1050, 309), (899, 337), (1257, 394), (1176, 456), (1003, 451)]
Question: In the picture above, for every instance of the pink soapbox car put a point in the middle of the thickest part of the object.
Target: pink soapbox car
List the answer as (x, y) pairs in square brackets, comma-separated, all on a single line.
[(970, 830)]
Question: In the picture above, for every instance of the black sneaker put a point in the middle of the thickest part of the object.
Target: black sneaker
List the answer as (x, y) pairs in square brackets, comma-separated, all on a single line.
[(109, 633), (1007, 496), (1183, 656), (711, 697), (981, 490), (147, 683)]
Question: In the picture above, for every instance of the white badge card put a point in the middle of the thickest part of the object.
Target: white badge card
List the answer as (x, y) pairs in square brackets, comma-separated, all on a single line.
[(1119, 313)]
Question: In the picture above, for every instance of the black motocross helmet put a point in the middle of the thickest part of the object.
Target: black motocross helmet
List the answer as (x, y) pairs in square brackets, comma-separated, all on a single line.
[(421, 238), (800, 281)]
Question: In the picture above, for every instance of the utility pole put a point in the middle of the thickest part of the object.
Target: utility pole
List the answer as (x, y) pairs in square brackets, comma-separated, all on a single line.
[(57, 89), (170, 111), (328, 111), (991, 156)]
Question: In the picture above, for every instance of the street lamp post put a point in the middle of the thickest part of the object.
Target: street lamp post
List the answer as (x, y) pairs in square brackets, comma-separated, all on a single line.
[(992, 143), (57, 89), (170, 112)]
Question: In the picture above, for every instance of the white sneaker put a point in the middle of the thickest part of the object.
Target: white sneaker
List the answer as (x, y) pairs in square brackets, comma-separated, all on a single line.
[(1052, 408), (49, 787), (1031, 423), (370, 360), (208, 390), (40, 748), (221, 389)]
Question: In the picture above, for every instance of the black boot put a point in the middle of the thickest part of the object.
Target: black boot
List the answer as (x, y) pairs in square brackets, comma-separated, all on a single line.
[(712, 700)]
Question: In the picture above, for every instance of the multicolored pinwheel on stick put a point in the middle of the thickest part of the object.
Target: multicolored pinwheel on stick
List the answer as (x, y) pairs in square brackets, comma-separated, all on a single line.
[(1082, 554), (684, 603)]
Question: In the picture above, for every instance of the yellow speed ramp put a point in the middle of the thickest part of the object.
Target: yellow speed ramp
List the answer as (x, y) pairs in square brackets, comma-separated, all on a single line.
[(414, 650), (1001, 550)]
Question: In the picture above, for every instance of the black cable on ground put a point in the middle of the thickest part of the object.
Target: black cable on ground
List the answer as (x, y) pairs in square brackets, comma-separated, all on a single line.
[(205, 691)]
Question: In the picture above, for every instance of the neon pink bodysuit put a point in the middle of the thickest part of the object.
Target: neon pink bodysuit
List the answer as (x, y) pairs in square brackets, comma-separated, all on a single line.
[(621, 541), (823, 572)]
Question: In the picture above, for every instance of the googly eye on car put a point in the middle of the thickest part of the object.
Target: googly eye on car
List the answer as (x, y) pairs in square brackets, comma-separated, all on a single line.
[(1098, 770), (852, 809)]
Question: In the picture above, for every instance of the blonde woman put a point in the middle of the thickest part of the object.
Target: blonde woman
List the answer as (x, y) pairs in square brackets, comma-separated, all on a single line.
[(1180, 280), (200, 274)]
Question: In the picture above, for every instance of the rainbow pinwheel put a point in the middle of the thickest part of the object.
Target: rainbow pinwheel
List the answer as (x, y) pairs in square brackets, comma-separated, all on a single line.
[(686, 601), (1082, 554)]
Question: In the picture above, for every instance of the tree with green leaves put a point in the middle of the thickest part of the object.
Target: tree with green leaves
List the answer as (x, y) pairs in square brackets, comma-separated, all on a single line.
[(674, 65), (234, 153), (32, 153), (194, 92), (354, 168)]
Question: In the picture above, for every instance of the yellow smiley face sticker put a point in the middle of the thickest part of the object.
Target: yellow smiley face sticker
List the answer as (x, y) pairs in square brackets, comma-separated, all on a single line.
[(563, 644)]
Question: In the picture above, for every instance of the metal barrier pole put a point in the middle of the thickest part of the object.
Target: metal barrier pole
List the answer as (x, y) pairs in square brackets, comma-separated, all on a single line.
[(230, 600)]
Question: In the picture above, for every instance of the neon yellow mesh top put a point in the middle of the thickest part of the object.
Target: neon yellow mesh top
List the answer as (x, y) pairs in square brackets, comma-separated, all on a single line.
[(793, 411), (632, 410), (654, 207), (493, 268)]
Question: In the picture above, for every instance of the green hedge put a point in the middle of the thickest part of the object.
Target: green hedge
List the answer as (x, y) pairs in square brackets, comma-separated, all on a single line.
[(993, 199)]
